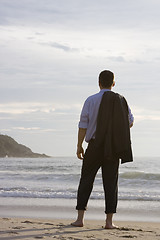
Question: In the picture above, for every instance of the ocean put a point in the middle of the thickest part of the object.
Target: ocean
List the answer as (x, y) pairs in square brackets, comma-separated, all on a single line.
[(54, 182)]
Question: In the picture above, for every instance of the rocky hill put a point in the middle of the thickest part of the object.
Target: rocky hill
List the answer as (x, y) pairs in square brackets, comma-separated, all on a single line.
[(10, 148)]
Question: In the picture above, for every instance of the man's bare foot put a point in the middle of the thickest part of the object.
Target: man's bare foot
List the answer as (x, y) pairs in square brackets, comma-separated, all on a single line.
[(110, 226), (77, 224)]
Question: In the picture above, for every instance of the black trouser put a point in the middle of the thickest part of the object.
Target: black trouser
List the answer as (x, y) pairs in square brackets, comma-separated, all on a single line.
[(92, 161)]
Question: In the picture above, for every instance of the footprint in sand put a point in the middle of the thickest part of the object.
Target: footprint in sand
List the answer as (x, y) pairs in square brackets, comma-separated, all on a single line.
[(27, 222), (129, 236), (48, 224), (12, 232), (18, 227), (39, 237)]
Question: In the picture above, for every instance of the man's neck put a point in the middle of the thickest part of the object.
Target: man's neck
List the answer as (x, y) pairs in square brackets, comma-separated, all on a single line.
[(105, 88)]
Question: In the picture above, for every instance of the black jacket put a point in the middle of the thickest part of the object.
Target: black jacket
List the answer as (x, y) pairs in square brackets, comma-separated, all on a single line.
[(113, 129)]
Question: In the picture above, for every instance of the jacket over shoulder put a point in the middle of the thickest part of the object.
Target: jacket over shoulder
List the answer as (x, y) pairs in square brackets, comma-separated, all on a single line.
[(113, 129)]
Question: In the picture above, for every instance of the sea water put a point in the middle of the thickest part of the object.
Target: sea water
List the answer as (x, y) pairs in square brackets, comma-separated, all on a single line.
[(54, 181)]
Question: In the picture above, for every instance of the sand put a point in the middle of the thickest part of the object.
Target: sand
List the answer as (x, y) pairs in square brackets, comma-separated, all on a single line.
[(29, 228)]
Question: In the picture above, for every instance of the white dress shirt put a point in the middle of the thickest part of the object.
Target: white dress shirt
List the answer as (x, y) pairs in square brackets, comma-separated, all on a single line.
[(88, 118)]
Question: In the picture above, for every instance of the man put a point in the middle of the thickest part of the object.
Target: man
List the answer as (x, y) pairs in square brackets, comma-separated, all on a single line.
[(104, 123)]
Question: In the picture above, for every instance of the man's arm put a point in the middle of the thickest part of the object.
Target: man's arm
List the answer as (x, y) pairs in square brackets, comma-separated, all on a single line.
[(81, 136)]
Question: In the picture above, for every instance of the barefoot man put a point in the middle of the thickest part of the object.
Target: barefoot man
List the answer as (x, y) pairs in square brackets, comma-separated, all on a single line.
[(105, 123)]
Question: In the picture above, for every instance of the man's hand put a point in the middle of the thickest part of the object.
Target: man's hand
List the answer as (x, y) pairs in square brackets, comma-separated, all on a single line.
[(81, 135), (80, 152)]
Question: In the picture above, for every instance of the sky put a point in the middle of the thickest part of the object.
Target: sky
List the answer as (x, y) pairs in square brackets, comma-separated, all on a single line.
[(51, 53)]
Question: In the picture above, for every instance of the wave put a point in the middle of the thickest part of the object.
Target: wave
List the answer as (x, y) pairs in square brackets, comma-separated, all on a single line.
[(72, 194), (68, 175), (140, 175), (26, 193)]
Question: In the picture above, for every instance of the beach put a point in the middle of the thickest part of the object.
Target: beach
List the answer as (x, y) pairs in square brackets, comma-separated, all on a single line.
[(52, 218), (38, 200), (26, 228)]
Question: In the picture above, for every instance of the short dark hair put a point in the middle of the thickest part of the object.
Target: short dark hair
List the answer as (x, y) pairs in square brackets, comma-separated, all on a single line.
[(106, 78)]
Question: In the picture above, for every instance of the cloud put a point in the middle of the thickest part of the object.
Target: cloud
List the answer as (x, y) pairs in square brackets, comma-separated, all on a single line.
[(143, 114), (33, 129), (26, 129), (116, 58), (63, 47), (5, 130), (26, 107), (85, 15), (20, 108)]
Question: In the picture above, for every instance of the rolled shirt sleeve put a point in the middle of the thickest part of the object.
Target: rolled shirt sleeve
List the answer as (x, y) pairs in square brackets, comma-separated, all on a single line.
[(84, 117), (130, 116)]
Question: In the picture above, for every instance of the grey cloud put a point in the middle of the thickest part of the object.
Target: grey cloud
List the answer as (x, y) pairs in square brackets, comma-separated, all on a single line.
[(125, 60), (39, 33), (24, 12), (82, 15), (116, 58), (61, 46)]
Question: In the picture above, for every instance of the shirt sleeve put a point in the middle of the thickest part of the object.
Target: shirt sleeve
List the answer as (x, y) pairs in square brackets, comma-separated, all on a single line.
[(84, 117), (130, 116)]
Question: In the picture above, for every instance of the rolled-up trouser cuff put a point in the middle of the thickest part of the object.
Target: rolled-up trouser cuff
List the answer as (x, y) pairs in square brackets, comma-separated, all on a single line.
[(110, 211), (81, 208)]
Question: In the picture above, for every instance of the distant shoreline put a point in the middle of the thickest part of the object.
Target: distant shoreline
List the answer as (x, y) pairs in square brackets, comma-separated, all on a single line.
[(41, 156), (9, 148)]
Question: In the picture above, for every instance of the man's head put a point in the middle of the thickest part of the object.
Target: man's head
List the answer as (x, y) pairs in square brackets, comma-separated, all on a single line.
[(106, 79)]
